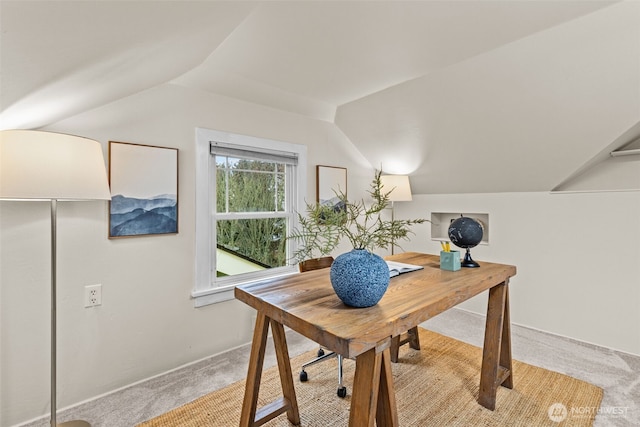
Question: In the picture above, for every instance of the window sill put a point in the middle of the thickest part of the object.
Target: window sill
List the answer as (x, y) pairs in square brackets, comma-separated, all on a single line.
[(213, 296), (225, 293)]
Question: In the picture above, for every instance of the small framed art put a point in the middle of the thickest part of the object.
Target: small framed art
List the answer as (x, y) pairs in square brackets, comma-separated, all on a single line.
[(330, 181), (144, 190)]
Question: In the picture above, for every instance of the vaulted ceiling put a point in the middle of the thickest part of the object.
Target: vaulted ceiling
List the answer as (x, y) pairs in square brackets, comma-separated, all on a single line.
[(466, 96)]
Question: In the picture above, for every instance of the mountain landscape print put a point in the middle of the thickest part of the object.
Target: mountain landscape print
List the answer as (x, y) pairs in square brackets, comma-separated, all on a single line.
[(131, 216), (144, 190)]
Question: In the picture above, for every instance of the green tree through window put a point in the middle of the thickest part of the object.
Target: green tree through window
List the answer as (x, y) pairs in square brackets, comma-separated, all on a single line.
[(252, 189)]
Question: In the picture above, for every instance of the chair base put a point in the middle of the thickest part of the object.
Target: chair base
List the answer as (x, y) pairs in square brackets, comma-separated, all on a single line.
[(322, 356), (410, 337)]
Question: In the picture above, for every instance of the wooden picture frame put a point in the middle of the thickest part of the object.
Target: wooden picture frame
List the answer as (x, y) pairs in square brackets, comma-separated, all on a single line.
[(330, 180), (144, 190)]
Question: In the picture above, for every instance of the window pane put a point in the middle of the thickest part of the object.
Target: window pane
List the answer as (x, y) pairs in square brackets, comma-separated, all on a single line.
[(251, 192), (248, 245), (249, 185), (221, 190)]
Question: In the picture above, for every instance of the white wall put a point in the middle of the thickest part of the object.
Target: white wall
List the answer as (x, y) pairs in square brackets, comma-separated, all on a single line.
[(147, 323), (577, 256)]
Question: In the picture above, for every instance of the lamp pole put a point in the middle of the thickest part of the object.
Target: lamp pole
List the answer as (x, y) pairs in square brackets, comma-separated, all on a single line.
[(399, 190), (54, 311), (393, 240)]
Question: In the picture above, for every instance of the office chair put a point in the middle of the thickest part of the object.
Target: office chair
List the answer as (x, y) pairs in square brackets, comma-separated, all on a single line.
[(410, 337)]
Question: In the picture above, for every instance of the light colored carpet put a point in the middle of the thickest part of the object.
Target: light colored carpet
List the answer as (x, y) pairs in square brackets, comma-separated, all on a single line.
[(435, 386)]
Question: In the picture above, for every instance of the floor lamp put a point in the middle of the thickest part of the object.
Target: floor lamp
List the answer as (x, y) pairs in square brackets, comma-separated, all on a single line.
[(400, 191), (54, 167)]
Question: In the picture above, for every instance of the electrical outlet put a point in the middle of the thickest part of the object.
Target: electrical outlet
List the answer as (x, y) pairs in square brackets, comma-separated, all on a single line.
[(92, 295)]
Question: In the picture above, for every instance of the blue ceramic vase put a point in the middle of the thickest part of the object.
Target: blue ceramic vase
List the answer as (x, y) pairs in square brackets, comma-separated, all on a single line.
[(359, 278)]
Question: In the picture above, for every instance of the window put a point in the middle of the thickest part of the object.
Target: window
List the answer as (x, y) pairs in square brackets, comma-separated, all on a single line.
[(247, 192)]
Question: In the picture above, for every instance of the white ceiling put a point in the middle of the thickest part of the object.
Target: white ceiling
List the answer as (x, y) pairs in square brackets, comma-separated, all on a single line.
[(430, 88)]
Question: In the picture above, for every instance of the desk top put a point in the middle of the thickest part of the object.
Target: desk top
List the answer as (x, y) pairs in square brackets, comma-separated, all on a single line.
[(307, 303)]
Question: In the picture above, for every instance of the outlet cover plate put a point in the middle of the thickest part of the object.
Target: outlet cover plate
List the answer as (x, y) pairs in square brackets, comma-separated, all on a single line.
[(92, 295)]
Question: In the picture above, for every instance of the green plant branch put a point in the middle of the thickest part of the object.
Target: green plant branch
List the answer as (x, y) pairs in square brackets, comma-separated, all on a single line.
[(323, 227)]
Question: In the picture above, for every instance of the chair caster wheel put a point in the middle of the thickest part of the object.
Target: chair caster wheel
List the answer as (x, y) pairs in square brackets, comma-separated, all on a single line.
[(320, 352), (303, 376), (342, 392)]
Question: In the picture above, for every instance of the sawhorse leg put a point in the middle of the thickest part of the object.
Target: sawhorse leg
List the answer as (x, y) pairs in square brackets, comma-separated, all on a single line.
[(411, 337), (373, 393), (251, 416), (496, 356)]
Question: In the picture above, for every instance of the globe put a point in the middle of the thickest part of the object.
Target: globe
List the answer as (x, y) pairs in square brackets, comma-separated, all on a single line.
[(466, 233)]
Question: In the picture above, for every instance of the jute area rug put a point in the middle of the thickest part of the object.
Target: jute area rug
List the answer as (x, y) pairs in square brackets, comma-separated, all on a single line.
[(436, 386)]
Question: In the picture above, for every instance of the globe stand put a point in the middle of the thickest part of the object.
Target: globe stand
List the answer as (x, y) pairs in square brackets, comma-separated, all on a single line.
[(467, 261)]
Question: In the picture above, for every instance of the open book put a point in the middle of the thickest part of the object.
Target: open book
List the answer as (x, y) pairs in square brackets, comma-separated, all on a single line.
[(396, 268)]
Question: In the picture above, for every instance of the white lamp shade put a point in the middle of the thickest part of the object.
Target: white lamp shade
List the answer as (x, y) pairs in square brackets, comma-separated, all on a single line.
[(398, 185), (36, 165)]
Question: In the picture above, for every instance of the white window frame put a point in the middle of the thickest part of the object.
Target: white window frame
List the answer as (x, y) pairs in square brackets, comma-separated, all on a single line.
[(207, 290)]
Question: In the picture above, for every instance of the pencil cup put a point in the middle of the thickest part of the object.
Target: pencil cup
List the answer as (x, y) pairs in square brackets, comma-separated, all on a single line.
[(450, 260)]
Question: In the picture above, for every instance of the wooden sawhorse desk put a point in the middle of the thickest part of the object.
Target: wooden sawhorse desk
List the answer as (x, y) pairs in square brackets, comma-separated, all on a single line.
[(307, 304)]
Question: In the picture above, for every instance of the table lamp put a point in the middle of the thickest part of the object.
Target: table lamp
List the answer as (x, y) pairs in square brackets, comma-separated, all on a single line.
[(400, 191), (37, 165)]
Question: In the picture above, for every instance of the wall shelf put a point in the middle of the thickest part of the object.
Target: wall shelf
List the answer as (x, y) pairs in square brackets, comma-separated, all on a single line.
[(440, 224)]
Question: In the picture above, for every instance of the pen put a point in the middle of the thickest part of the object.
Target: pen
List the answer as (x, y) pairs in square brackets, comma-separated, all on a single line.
[(448, 247)]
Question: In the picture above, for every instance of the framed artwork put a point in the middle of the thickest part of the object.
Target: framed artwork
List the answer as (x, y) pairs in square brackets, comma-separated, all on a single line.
[(144, 190), (329, 181)]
